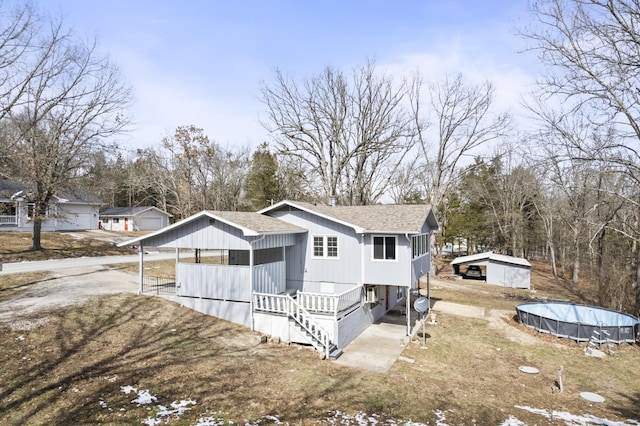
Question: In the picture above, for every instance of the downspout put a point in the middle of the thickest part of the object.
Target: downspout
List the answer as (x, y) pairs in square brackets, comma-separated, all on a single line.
[(362, 256), (251, 280), (408, 294), (177, 262), (141, 268)]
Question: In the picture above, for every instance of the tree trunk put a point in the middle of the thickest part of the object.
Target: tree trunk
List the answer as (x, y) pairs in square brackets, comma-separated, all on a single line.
[(37, 228)]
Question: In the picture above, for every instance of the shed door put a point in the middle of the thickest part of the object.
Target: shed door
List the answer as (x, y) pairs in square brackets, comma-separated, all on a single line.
[(149, 223)]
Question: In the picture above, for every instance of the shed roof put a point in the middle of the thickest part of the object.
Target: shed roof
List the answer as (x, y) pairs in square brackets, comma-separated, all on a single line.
[(384, 218), (130, 211), (14, 189), (491, 256), (251, 224)]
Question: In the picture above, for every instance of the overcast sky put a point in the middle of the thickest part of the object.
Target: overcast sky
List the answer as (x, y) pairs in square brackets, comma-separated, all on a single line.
[(202, 62)]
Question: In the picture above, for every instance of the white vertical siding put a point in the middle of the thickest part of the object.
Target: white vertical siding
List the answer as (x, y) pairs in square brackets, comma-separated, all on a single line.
[(302, 267), (508, 275), (270, 278), (222, 282), (275, 240), (204, 234), (388, 272)]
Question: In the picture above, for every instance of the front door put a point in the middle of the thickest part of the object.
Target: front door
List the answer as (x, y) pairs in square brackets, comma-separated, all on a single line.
[(126, 223), (386, 299)]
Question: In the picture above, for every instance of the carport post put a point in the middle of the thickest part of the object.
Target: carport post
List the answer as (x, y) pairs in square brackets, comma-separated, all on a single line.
[(141, 268), (408, 310)]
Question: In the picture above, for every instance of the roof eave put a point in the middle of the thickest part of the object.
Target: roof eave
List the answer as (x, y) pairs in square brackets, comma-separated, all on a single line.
[(357, 229)]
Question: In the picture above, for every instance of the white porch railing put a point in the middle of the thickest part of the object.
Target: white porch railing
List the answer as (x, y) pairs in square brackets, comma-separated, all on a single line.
[(330, 303), (285, 304), (9, 220)]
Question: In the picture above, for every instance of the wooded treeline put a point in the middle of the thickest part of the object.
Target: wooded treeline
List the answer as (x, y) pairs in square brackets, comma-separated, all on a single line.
[(566, 188)]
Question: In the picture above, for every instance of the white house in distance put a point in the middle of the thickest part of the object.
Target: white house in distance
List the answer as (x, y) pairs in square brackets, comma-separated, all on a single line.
[(506, 271), (142, 218), (69, 211), (305, 273)]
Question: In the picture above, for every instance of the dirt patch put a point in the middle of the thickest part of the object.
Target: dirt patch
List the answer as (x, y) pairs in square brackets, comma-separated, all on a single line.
[(61, 289)]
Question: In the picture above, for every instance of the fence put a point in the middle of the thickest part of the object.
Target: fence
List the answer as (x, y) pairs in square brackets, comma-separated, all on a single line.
[(158, 285)]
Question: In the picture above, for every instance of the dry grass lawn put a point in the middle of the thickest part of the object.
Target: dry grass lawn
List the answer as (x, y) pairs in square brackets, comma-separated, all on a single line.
[(16, 247), (71, 369)]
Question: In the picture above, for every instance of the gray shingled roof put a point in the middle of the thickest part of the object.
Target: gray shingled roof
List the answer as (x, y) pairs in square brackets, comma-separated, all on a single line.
[(129, 211), (393, 218), (10, 187), (255, 222)]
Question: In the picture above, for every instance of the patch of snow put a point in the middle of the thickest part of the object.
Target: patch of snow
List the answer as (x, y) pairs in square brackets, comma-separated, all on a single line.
[(113, 379), (20, 338), (513, 421), (150, 421), (210, 421), (575, 420), (144, 397), (179, 408), (128, 389), (441, 418)]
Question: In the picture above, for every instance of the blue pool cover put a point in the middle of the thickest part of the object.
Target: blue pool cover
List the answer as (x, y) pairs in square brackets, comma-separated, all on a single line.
[(580, 322)]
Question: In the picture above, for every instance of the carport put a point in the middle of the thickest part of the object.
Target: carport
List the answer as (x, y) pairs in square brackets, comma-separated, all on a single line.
[(506, 271)]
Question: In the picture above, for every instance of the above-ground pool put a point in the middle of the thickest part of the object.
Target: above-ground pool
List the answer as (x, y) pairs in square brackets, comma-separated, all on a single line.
[(580, 322)]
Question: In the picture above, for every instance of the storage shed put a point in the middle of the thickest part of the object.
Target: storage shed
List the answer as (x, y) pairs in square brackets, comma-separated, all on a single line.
[(142, 218), (507, 271)]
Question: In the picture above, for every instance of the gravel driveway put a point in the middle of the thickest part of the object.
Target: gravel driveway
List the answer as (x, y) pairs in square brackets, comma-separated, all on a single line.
[(66, 286)]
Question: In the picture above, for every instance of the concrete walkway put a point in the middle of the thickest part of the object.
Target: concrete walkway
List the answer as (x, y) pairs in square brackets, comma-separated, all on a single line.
[(375, 349), (381, 344)]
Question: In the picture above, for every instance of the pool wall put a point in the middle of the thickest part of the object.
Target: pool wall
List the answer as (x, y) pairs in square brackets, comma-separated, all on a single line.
[(580, 322)]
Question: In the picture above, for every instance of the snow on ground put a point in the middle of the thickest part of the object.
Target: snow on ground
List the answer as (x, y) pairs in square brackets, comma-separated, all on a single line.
[(574, 420), (334, 418)]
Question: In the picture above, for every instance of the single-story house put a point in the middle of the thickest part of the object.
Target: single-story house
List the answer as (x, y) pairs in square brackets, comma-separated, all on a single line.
[(302, 272), (506, 271), (71, 210), (141, 218)]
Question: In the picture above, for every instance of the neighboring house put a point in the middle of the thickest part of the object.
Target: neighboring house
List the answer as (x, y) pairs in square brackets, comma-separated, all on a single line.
[(68, 211), (506, 271), (143, 218), (301, 272)]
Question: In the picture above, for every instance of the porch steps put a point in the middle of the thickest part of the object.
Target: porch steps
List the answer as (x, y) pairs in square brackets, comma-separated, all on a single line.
[(334, 351)]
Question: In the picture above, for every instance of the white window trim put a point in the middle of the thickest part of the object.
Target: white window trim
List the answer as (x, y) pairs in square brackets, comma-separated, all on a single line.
[(373, 248), (325, 247), (422, 245)]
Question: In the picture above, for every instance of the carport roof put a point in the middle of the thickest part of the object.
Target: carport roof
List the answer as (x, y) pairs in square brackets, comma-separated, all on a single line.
[(491, 256), (251, 224)]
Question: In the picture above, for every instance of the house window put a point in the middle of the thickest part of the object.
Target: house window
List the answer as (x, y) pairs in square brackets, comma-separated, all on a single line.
[(116, 220), (371, 294), (105, 220), (399, 293), (325, 246), (318, 246), (384, 248), (420, 245), (332, 246), (31, 211)]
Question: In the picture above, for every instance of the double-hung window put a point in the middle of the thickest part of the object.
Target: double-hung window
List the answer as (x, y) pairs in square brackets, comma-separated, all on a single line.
[(325, 246), (384, 248)]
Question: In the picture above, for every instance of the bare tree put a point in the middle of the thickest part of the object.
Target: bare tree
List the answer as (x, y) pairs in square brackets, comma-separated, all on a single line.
[(71, 105), (592, 48), (351, 135), (464, 121)]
